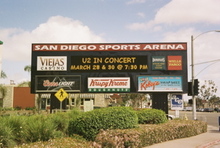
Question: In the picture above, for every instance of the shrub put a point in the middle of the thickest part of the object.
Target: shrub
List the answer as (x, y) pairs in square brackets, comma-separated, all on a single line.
[(89, 124), (66, 142), (150, 134), (6, 134), (30, 108), (40, 128), (17, 108), (151, 116), (60, 121), (16, 125), (74, 113)]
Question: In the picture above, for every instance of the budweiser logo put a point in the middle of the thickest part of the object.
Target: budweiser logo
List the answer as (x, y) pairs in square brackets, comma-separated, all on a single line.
[(47, 83)]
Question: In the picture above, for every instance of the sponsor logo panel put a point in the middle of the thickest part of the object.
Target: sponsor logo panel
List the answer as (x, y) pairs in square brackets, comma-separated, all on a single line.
[(175, 63), (54, 83), (160, 84), (51, 63), (158, 63), (109, 84)]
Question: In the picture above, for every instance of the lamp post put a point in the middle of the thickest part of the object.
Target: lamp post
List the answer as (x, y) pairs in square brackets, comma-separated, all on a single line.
[(192, 64)]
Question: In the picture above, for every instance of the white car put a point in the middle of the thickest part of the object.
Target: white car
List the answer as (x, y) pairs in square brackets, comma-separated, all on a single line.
[(171, 117)]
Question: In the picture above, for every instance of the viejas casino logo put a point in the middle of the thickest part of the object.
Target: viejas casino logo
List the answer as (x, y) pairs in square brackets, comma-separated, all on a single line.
[(51, 63)]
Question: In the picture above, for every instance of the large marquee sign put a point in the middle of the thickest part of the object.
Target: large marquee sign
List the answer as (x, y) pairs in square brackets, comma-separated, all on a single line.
[(110, 67)]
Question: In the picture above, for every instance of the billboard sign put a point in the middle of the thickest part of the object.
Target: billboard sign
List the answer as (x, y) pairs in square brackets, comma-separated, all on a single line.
[(108, 84), (177, 102), (160, 84), (82, 63)]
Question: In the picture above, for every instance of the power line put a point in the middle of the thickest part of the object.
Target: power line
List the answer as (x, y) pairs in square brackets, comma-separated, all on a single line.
[(208, 62), (205, 68)]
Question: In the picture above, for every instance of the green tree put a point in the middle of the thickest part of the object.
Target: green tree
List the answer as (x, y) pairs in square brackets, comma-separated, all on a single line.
[(134, 100), (3, 91), (214, 100), (24, 84), (207, 90), (199, 102)]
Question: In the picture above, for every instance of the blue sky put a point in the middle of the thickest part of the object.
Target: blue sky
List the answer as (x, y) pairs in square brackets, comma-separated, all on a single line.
[(24, 22)]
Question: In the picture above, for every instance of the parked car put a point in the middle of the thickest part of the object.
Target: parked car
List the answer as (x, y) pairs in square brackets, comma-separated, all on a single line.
[(171, 117), (217, 109), (208, 110), (200, 110)]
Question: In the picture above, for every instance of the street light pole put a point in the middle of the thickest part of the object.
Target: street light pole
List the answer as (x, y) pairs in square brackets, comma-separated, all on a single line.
[(193, 77), (192, 62)]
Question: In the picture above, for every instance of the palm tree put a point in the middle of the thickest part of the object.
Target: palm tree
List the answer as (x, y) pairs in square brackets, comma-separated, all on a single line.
[(3, 75), (28, 69)]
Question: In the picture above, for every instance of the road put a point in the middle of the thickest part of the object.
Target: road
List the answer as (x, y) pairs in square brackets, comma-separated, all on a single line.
[(212, 118)]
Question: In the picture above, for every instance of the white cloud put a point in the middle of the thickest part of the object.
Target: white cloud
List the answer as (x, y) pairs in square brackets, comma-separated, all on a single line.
[(205, 44), (189, 11), (206, 49), (179, 12), (141, 14), (58, 29), (135, 1)]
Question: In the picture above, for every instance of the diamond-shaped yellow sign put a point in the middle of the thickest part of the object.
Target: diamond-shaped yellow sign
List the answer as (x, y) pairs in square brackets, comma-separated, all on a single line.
[(61, 94)]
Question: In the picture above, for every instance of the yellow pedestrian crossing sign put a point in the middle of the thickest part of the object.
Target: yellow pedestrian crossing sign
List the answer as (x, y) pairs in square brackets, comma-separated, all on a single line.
[(61, 94)]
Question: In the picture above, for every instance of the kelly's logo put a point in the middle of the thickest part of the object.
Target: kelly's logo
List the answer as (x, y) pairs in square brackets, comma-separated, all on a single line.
[(51, 63)]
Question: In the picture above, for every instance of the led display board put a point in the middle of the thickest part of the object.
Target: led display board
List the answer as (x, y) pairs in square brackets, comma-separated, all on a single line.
[(108, 64), (122, 67)]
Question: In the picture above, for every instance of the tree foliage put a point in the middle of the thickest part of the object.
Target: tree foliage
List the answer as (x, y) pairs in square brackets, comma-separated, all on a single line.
[(208, 89), (135, 100), (214, 100)]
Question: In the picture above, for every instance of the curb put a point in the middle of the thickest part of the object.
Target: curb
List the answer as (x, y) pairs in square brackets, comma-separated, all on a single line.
[(210, 144)]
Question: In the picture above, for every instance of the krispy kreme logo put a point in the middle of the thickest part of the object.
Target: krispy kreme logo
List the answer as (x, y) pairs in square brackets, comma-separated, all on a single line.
[(109, 82)]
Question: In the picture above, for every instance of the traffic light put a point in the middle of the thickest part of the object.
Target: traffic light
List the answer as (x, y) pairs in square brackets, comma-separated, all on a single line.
[(190, 101), (189, 88), (196, 87)]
